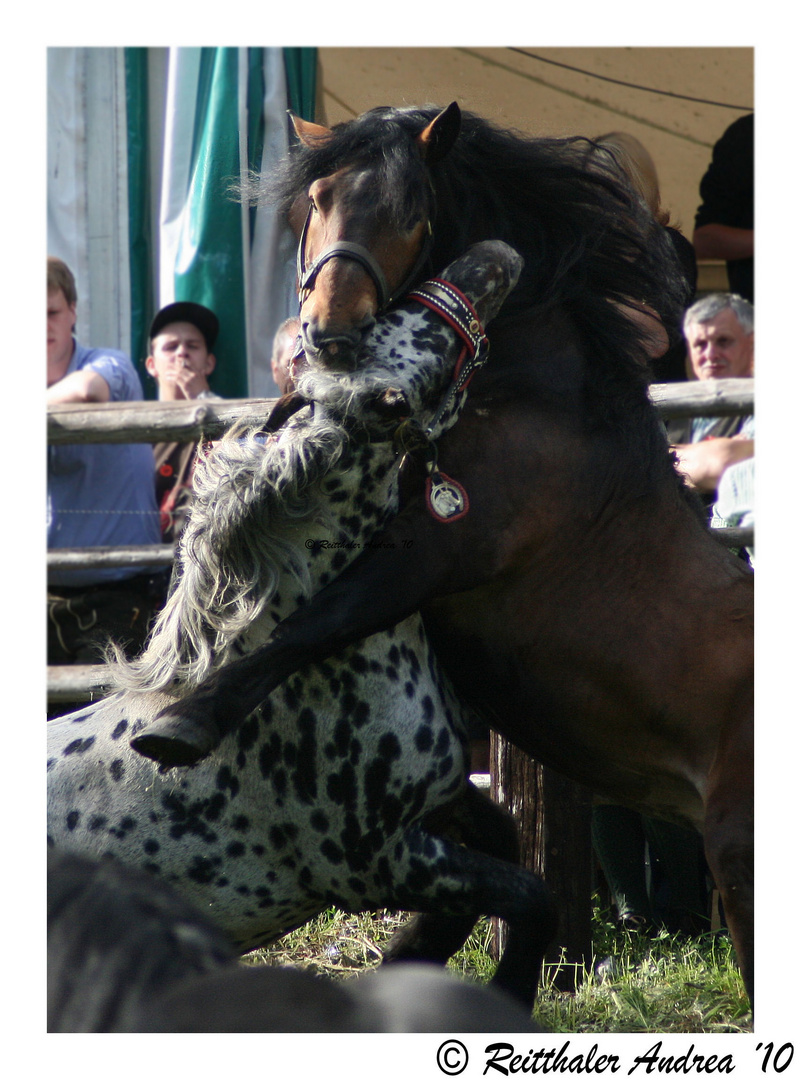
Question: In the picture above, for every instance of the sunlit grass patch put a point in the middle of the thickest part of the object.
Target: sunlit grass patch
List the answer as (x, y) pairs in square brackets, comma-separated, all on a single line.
[(668, 983)]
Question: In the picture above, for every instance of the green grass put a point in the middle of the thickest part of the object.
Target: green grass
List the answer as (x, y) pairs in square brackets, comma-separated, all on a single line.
[(668, 984)]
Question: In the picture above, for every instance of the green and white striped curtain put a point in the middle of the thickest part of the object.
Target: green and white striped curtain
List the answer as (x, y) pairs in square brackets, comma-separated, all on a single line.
[(145, 147)]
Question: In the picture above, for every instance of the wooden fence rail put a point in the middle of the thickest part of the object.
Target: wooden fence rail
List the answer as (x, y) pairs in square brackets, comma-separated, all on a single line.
[(185, 421), (105, 557), (712, 397), (150, 421)]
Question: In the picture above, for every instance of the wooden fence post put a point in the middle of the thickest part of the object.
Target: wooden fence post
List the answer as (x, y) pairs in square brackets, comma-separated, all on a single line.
[(553, 815)]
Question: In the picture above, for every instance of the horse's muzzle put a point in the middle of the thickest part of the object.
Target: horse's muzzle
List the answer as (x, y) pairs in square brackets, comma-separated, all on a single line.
[(337, 350)]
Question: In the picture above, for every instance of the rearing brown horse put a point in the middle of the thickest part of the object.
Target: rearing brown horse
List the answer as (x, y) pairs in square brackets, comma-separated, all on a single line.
[(581, 605)]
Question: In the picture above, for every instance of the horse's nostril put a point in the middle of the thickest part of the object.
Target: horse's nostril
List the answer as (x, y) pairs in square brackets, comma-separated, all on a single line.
[(322, 337), (335, 347)]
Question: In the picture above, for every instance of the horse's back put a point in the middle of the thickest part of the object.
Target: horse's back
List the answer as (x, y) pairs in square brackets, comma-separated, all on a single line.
[(91, 768)]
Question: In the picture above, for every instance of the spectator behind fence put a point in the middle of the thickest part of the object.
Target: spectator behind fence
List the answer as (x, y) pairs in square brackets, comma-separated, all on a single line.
[(638, 166), (182, 336), (98, 495), (735, 506), (284, 344), (724, 222), (719, 329)]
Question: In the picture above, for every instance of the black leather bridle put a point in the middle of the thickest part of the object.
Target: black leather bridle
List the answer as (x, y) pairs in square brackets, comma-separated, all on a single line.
[(455, 309), (345, 249)]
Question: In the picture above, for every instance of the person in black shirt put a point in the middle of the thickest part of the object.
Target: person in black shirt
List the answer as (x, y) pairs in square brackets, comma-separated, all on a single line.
[(724, 222)]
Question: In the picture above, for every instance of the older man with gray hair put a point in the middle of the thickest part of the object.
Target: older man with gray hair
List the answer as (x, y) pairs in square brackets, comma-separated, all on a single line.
[(719, 329)]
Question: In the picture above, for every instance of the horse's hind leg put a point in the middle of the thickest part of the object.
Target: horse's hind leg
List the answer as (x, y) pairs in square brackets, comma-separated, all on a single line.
[(729, 838), (475, 880)]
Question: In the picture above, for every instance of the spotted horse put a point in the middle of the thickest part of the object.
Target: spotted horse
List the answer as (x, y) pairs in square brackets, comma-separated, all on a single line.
[(348, 786)]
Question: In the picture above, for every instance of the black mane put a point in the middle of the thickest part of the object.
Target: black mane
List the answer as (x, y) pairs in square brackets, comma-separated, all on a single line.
[(588, 241), (585, 236)]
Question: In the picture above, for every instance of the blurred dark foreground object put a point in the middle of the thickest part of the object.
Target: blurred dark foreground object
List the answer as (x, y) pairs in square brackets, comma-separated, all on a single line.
[(127, 954)]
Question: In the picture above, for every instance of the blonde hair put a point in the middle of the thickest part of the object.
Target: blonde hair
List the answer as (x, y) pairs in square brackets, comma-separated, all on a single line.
[(638, 165)]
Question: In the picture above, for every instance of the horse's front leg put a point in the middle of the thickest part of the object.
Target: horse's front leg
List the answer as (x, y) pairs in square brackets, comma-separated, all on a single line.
[(729, 837), (412, 562)]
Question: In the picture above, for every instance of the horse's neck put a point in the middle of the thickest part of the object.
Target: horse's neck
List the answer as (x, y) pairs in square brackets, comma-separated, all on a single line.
[(217, 610), (329, 541), (532, 353)]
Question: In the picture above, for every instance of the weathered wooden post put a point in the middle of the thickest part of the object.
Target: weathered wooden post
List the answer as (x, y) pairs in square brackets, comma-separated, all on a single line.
[(553, 815)]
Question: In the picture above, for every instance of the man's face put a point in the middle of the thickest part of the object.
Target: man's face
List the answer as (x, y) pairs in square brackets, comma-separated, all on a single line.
[(179, 347), (280, 362), (720, 348), (60, 324)]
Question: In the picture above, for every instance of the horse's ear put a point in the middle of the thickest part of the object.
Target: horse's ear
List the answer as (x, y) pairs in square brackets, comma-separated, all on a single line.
[(309, 134), (436, 140)]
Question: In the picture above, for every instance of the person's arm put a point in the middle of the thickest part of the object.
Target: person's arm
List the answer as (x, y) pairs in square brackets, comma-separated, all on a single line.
[(81, 386), (703, 463), (714, 241), (724, 221)]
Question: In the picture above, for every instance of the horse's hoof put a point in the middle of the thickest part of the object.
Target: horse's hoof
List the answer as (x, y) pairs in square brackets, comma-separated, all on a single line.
[(174, 741)]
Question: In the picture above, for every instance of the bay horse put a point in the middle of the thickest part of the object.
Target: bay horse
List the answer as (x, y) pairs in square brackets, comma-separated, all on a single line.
[(582, 605), (349, 786)]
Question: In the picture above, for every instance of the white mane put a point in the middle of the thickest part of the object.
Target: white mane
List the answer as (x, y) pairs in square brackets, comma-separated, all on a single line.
[(241, 538)]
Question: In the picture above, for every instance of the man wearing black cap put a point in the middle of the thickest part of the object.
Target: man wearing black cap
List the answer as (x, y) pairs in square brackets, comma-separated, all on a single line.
[(182, 336)]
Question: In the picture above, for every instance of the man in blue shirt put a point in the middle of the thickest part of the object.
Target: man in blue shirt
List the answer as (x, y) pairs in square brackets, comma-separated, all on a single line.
[(97, 495)]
